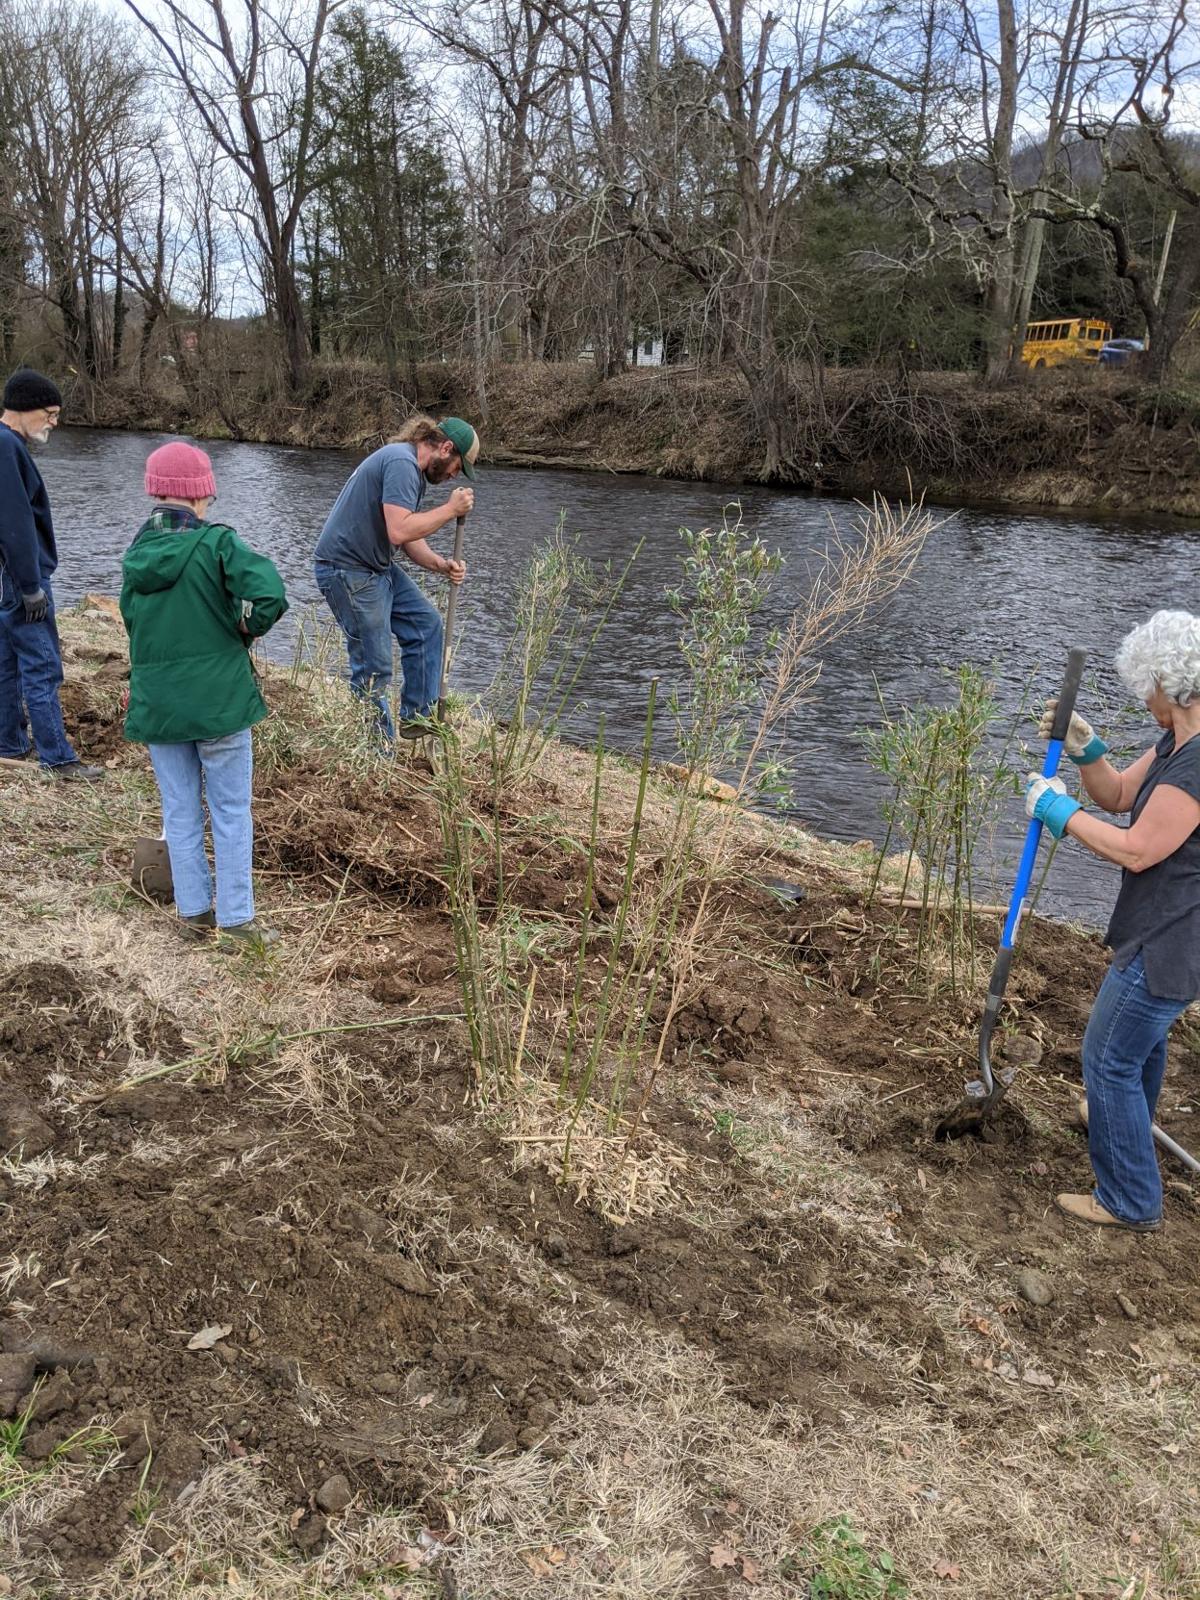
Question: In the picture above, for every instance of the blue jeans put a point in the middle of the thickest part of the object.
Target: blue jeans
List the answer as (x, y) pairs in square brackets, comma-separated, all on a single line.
[(30, 675), (370, 607), (221, 772), (1124, 1058)]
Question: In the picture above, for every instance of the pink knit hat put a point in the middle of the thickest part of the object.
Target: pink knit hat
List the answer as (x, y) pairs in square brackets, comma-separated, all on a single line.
[(180, 471)]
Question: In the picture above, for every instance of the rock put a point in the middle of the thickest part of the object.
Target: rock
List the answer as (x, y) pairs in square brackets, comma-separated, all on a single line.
[(100, 605), (623, 1241), (48, 1355), (144, 1102), (16, 1380), (403, 1274), (387, 1383), (364, 1220), (59, 1395), (1127, 1306), (498, 1435), (335, 1494), (1021, 1049), (22, 1130), (135, 1433), (40, 1445), (282, 1372), (733, 1072), (310, 1533), (1035, 1287)]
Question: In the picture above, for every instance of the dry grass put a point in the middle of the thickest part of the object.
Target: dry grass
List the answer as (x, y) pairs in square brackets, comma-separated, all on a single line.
[(1071, 1492)]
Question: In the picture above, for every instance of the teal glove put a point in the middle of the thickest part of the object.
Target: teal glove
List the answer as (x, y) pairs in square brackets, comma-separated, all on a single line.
[(1082, 744), (1047, 800)]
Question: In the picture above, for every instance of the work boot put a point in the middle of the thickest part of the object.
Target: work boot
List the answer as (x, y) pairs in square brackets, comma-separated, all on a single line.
[(201, 924), (75, 772), (255, 934), (1085, 1208), (424, 728)]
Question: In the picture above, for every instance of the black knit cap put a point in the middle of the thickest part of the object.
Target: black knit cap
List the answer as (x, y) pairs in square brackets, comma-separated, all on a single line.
[(28, 390)]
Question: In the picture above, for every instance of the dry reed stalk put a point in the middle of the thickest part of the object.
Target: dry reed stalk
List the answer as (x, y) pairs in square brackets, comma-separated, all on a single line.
[(852, 578)]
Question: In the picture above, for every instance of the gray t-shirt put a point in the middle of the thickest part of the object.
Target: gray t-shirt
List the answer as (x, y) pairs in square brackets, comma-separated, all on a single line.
[(355, 532), (1158, 911)]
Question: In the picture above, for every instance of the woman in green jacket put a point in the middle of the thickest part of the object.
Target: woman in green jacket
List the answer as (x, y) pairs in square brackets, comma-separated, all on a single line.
[(193, 598)]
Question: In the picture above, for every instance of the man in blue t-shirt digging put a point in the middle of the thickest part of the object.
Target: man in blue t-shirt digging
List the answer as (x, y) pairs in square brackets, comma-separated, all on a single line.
[(377, 514)]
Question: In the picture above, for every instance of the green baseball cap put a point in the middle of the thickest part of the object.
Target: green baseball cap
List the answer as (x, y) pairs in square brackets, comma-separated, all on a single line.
[(464, 439)]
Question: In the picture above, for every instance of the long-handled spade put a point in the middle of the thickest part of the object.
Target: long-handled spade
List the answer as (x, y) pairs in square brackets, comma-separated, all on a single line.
[(451, 607), (984, 1095)]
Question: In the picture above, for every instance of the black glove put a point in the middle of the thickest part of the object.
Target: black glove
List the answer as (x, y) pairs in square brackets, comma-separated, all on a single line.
[(36, 605)]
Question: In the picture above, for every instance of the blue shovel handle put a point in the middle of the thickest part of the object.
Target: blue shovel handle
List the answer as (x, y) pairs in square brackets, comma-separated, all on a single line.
[(998, 981)]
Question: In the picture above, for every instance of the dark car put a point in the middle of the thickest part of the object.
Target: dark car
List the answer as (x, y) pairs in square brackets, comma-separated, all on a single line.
[(1116, 352)]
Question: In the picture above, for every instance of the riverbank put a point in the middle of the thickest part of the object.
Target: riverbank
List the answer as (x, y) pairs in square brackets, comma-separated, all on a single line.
[(314, 1319), (1086, 440)]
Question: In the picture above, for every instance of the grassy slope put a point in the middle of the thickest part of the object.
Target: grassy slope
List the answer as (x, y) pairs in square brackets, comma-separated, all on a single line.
[(787, 1307)]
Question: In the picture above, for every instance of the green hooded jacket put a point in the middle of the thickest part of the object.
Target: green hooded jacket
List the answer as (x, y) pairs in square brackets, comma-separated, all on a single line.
[(187, 585)]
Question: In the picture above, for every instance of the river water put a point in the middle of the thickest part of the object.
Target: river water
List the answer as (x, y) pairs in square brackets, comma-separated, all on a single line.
[(1008, 591)]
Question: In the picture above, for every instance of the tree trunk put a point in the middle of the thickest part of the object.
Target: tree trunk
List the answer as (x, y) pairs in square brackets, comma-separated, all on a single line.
[(999, 298), (150, 319)]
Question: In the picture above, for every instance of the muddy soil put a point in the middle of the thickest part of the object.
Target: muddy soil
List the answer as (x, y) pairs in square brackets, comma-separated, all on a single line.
[(395, 1290)]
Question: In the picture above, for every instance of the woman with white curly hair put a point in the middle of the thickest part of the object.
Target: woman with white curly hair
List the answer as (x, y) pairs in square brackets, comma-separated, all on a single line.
[(1155, 928)]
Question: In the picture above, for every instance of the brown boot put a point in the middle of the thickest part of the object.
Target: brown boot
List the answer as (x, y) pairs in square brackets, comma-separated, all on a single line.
[(1084, 1208)]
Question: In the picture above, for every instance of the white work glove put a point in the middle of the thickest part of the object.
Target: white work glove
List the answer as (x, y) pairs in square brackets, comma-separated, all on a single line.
[(1082, 744), (1047, 800), (1036, 786)]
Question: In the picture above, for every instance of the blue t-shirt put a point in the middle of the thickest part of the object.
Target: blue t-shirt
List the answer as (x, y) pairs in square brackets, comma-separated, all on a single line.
[(355, 532)]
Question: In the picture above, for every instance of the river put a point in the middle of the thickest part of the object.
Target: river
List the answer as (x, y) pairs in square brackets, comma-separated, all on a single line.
[(1008, 591)]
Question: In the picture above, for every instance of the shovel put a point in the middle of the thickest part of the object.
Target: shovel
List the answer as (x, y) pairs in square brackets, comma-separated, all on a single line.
[(451, 607), (152, 870), (985, 1094)]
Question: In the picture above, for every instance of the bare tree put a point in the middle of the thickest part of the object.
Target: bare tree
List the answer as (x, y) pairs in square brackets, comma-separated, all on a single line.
[(250, 70), (70, 85)]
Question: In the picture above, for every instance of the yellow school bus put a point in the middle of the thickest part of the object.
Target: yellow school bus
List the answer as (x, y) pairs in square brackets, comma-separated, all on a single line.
[(1061, 339)]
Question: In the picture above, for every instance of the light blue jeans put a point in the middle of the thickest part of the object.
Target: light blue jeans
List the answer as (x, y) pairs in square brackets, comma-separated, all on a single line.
[(219, 771), (1124, 1058), (371, 608)]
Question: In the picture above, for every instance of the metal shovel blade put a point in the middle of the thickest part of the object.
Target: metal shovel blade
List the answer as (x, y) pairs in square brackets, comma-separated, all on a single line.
[(152, 870)]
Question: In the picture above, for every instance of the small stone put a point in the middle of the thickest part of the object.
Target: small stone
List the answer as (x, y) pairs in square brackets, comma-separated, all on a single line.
[(16, 1380), (310, 1534), (55, 1397), (135, 1433), (498, 1435), (39, 1446), (387, 1383), (335, 1494), (403, 1274), (282, 1372), (1035, 1287), (1021, 1050), (1127, 1306), (623, 1241), (22, 1130)]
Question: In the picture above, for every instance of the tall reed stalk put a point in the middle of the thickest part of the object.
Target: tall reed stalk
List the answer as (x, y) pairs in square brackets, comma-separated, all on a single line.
[(949, 768)]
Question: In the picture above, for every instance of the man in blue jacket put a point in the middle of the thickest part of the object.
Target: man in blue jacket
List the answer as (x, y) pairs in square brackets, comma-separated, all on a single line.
[(30, 654)]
